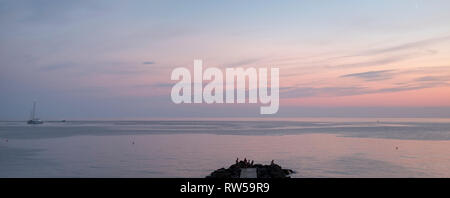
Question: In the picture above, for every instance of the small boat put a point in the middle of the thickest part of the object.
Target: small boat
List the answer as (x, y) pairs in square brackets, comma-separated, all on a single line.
[(33, 119)]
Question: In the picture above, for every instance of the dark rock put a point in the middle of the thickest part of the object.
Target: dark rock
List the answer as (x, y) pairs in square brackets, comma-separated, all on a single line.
[(263, 171)]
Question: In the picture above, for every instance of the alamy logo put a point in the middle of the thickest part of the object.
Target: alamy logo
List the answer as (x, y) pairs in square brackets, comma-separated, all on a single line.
[(235, 80)]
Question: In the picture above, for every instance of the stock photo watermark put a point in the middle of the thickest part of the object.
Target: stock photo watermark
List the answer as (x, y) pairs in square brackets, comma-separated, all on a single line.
[(235, 81)]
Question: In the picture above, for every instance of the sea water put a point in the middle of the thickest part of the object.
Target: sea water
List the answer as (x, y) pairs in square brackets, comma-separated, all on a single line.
[(311, 147)]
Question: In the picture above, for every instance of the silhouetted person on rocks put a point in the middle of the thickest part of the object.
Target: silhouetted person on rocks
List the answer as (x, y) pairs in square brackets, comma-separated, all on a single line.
[(263, 171)]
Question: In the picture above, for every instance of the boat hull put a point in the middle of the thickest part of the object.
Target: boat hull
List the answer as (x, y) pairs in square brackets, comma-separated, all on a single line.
[(35, 122)]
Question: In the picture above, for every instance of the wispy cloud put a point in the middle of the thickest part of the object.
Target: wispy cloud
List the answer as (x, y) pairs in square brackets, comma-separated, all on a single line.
[(163, 85), (148, 63), (406, 46), (371, 75), (54, 67), (301, 92), (379, 61), (433, 78), (374, 57), (242, 63)]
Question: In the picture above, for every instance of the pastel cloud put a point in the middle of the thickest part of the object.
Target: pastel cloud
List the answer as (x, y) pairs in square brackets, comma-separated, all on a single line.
[(112, 52), (371, 75)]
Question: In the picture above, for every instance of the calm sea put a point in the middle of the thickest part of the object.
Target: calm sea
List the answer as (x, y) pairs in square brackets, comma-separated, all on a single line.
[(311, 147)]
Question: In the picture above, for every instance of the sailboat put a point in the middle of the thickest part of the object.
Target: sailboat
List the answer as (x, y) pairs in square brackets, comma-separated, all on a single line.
[(33, 119)]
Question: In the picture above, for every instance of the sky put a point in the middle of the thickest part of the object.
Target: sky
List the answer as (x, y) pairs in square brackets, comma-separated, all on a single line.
[(109, 59)]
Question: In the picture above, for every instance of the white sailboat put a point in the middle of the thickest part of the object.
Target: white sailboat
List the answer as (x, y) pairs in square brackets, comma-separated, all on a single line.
[(33, 119)]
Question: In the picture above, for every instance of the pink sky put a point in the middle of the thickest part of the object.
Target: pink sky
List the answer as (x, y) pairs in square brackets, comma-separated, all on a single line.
[(73, 57)]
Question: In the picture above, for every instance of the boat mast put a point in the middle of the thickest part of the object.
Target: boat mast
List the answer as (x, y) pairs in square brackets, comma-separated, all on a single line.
[(34, 109)]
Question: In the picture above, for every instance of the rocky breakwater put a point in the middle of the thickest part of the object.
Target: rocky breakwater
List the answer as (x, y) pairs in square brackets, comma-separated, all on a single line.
[(262, 171)]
